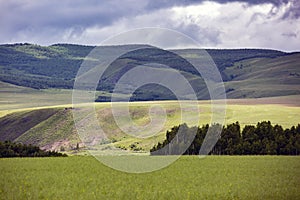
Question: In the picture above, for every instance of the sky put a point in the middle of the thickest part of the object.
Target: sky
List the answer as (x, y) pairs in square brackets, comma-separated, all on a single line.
[(273, 24)]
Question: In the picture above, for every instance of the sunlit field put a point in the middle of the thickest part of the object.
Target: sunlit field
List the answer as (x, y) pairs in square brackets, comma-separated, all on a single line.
[(279, 110)]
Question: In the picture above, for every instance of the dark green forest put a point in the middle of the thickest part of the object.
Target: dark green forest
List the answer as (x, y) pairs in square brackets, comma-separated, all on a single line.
[(262, 139), (10, 149)]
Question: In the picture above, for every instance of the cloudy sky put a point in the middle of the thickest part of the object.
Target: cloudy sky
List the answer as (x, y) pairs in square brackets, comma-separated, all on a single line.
[(216, 24)]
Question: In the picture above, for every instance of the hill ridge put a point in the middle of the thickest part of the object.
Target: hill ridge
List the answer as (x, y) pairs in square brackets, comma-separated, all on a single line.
[(56, 66)]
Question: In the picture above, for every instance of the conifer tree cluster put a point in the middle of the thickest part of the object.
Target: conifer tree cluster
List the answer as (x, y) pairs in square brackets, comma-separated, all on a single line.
[(262, 139)]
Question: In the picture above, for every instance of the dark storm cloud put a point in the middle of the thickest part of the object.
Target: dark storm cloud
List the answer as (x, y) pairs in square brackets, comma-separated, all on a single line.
[(62, 13), (22, 16)]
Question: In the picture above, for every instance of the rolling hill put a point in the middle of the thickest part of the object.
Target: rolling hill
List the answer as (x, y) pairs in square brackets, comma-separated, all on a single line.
[(53, 128), (247, 73), (266, 77)]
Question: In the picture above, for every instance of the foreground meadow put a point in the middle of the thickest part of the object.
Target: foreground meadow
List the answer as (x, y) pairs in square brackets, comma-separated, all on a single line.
[(214, 177)]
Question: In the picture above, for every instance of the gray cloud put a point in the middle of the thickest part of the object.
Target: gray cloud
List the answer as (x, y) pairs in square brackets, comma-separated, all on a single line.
[(293, 11), (205, 35), (18, 17), (289, 35), (64, 13), (76, 21)]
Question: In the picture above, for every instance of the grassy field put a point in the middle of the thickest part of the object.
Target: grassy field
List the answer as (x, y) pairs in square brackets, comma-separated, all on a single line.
[(19, 98), (58, 130), (224, 177), (248, 114)]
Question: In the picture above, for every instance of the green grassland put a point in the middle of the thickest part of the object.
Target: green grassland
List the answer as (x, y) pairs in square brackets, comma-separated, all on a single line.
[(213, 177)]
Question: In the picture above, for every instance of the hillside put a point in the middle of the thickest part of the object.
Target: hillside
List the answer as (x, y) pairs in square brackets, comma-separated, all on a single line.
[(266, 77), (14, 125), (48, 128), (243, 70), (53, 128)]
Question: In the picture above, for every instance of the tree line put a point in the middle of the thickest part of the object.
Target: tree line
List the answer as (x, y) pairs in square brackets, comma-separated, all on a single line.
[(262, 139), (10, 149)]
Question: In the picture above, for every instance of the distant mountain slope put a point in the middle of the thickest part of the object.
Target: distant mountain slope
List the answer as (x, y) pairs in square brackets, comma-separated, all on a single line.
[(56, 66)]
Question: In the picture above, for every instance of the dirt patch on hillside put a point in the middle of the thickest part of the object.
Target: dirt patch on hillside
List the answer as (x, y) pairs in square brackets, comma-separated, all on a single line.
[(66, 144)]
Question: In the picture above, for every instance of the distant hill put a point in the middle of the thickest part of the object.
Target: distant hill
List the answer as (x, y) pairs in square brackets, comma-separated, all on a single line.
[(247, 73)]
